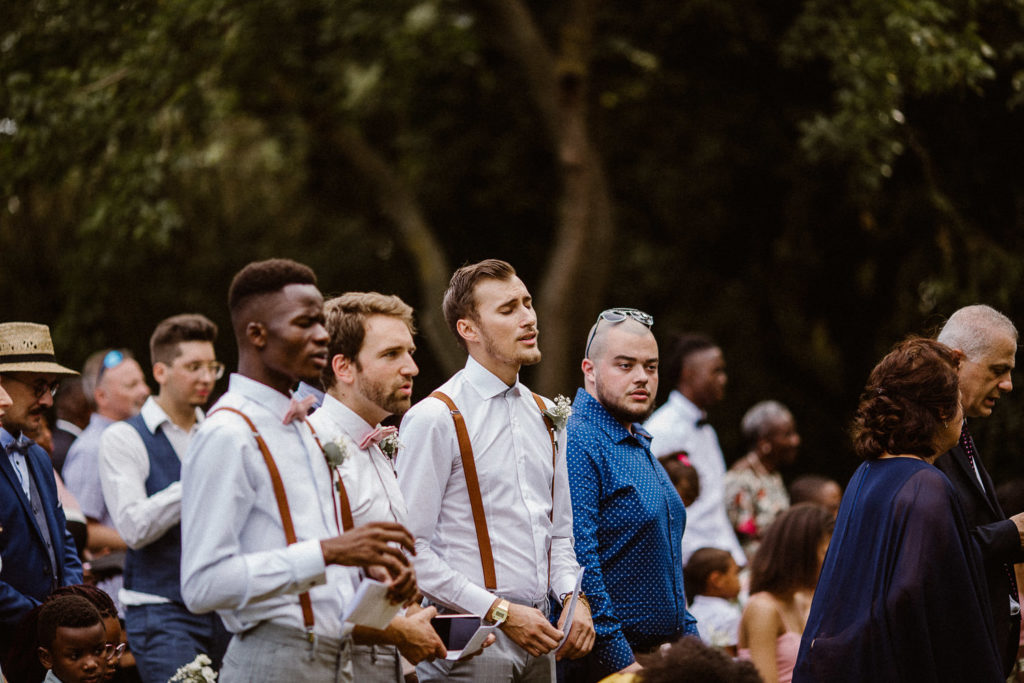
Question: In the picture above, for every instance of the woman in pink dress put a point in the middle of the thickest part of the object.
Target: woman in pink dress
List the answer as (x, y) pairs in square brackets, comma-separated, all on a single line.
[(783, 574)]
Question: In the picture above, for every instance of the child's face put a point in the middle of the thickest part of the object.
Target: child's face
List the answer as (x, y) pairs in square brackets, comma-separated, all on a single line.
[(78, 655), (114, 635), (729, 582)]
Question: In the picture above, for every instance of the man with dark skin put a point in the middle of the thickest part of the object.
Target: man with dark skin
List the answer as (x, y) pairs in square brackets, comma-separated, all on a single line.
[(282, 600)]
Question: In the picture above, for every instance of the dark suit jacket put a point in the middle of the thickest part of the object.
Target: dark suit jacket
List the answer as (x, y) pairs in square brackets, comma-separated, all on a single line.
[(996, 536), (26, 577)]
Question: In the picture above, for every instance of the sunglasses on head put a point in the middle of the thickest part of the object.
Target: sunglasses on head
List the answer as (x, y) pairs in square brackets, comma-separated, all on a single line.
[(617, 315), (111, 360)]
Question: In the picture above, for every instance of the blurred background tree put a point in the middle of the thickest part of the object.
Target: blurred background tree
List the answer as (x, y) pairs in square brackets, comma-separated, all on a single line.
[(807, 181)]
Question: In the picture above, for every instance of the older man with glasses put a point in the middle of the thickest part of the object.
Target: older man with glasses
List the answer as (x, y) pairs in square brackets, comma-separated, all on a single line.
[(140, 470), (39, 554), (628, 519)]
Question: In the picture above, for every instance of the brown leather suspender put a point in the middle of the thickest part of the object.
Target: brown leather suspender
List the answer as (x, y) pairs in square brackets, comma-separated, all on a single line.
[(285, 511), (476, 503)]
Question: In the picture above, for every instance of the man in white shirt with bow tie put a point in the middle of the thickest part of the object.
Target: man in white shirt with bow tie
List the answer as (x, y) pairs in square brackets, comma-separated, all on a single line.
[(506, 560), (680, 425), (369, 378), (261, 537)]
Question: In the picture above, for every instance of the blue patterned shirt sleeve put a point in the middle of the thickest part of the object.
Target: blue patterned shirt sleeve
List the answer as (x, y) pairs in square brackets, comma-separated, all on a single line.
[(628, 523)]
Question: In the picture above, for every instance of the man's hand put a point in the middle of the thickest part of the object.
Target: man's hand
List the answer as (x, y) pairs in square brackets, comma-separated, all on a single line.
[(416, 638), (369, 545), (1018, 519), (581, 633), (403, 589), (529, 629)]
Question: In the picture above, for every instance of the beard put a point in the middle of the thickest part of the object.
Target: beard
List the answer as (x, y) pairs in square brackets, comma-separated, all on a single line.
[(519, 356), (623, 410), (385, 397)]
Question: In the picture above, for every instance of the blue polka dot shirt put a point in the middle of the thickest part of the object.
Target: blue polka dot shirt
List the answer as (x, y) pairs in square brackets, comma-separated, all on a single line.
[(628, 525)]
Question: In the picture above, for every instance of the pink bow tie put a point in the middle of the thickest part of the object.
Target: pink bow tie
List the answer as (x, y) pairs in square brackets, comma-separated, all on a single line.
[(377, 435), (298, 409)]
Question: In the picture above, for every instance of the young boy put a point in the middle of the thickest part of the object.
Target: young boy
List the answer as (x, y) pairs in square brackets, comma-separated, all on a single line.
[(712, 578), (73, 642)]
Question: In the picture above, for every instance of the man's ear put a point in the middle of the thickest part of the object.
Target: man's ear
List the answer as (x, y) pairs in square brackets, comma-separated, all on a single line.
[(160, 370), (960, 356), (588, 370), (467, 330), (343, 368), (256, 333), (44, 657)]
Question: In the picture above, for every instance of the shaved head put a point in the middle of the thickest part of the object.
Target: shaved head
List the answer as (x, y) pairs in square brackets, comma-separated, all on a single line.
[(599, 334)]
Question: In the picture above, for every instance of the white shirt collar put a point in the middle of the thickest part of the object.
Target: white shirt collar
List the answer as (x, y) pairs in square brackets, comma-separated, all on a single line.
[(344, 417), (154, 416), (685, 406), (258, 392), (486, 383)]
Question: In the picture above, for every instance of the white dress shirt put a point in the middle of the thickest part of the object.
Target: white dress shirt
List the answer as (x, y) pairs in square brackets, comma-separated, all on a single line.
[(673, 428), (370, 479), (235, 558), (512, 452), (124, 468)]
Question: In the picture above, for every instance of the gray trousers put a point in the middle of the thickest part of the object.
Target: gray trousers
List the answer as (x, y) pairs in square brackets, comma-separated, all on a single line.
[(503, 661), (275, 653), (376, 664)]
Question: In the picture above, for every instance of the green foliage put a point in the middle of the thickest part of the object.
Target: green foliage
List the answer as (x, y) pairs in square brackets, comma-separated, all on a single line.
[(808, 181)]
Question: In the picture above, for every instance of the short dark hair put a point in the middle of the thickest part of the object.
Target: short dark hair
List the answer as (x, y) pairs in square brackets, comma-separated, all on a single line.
[(163, 344), (459, 301), (689, 659), (909, 394), (267, 277), (345, 318), (98, 597), (698, 569), (807, 488), (681, 347), (66, 611), (787, 559)]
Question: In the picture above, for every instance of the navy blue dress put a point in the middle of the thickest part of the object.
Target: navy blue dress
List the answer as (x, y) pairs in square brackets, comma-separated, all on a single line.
[(902, 593)]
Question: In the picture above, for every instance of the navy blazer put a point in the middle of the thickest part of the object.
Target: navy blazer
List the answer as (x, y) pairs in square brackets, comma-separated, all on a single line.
[(25, 579), (997, 537)]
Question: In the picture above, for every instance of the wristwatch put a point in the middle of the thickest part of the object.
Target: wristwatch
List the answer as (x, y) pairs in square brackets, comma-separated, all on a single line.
[(499, 613)]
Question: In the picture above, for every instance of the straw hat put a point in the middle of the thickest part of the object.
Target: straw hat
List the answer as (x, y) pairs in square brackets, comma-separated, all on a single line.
[(27, 347)]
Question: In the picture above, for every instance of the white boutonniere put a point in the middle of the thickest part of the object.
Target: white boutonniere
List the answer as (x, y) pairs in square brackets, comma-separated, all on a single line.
[(390, 444), (560, 412), (339, 450), (196, 671)]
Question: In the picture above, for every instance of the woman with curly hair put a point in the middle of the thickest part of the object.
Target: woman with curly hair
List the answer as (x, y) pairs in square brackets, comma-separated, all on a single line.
[(902, 593)]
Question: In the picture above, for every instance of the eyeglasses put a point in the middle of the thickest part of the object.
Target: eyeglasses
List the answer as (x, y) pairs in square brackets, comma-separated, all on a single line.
[(39, 387), (110, 361), (213, 367), (617, 315), (114, 652)]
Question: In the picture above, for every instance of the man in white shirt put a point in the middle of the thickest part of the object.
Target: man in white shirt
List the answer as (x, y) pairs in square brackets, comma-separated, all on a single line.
[(368, 379), (680, 425), (506, 561), (140, 470), (261, 533), (116, 388)]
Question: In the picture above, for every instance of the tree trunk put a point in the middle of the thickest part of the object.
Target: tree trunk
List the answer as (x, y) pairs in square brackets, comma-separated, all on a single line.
[(576, 274), (397, 202)]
